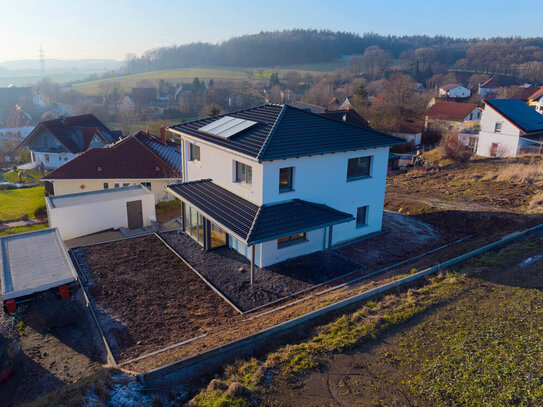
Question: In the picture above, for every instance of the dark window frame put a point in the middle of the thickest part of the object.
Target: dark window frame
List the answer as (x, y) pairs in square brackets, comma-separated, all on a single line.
[(353, 168), (290, 176), (364, 222), (291, 240), (106, 185)]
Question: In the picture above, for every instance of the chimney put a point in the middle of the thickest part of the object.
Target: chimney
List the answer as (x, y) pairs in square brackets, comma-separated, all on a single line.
[(163, 135)]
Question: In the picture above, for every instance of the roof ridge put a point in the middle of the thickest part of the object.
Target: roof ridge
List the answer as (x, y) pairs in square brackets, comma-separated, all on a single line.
[(271, 133)]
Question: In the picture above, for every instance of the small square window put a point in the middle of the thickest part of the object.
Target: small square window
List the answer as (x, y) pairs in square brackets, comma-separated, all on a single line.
[(106, 185), (126, 184), (194, 152), (285, 179), (498, 127), (116, 185), (361, 216), (358, 168), (147, 185)]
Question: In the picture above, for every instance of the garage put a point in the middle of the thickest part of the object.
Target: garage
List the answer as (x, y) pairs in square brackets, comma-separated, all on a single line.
[(86, 213)]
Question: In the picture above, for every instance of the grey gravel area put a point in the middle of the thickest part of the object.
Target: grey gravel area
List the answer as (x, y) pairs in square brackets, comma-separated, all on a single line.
[(228, 271)]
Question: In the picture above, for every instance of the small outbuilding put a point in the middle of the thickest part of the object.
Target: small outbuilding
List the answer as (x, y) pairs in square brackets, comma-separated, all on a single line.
[(86, 213), (34, 262)]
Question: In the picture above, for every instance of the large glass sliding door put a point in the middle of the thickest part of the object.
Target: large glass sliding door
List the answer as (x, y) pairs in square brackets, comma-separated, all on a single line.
[(218, 236), (194, 224)]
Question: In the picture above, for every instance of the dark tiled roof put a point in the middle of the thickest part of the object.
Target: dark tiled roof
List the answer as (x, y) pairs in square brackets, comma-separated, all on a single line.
[(348, 115), (168, 152), (518, 113), (128, 159), (535, 95), (408, 127), (284, 131), (450, 110), (75, 132), (255, 224)]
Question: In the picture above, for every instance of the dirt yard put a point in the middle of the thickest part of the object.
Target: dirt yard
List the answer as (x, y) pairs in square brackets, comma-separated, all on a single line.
[(147, 298), (43, 354), (490, 324), (229, 272)]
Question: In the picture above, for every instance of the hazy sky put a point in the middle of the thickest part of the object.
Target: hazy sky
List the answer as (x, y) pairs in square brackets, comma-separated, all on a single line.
[(69, 29)]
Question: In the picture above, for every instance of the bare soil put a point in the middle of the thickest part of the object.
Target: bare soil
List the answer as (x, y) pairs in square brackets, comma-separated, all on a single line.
[(43, 357), (147, 298), (392, 370), (229, 272)]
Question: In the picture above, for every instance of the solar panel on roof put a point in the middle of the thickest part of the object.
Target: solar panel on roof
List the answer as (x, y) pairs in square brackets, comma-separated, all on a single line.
[(226, 126)]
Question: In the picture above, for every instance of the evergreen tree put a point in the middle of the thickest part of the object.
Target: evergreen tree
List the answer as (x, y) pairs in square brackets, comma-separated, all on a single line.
[(274, 79)]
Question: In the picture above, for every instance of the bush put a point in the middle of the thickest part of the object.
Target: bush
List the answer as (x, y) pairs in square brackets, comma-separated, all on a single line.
[(454, 149), (40, 212)]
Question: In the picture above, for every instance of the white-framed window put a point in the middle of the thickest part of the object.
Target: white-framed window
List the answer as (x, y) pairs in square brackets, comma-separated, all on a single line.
[(244, 173), (361, 216), (194, 153), (359, 167), (147, 185), (106, 185), (498, 127), (116, 185)]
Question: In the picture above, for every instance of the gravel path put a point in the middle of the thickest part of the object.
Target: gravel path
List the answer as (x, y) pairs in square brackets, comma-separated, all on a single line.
[(228, 271)]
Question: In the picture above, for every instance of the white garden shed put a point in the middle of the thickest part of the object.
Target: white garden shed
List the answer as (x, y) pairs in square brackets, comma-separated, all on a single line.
[(82, 214)]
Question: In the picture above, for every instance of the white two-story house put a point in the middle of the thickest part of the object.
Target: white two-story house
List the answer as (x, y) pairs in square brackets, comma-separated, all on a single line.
[(57, 141), (508, 127), (276, 182)]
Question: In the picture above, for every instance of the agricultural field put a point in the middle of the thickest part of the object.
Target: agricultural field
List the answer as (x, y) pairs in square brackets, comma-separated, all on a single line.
[(188, 74), (15, 203), (470, 336)]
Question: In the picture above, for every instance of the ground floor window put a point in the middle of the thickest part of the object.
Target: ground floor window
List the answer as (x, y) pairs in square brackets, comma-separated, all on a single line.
[(116, 185), (147, 185), (106, 185), (194, 224), (291, 240), (361, 216), (126, 184)]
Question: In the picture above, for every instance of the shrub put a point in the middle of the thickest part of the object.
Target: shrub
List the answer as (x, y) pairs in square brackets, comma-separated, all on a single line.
[(454, 149), (40, 212)]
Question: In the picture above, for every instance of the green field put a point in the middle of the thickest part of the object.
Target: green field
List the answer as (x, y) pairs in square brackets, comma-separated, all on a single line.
[(22, 229), (188, 74), (14, 203), (13, 176)]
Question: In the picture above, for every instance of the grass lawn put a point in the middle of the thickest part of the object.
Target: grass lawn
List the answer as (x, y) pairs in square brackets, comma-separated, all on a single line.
[(22, 229), (470, 337), (13, 176), (14, 203)]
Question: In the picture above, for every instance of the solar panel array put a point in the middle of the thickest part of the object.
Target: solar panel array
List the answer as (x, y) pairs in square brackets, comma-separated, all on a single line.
[(227, 126)]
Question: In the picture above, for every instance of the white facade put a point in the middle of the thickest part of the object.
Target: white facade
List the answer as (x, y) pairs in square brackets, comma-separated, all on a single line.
[(92, 212), (320, 179), (456, 92), (51, 160), (486, 92), (17, 134), (410, 137)]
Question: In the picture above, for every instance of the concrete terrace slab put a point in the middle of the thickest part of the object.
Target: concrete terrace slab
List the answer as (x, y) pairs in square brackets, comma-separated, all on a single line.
[(32, 262)]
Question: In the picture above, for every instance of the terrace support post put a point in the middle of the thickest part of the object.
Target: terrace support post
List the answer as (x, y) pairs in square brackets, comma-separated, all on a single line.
[(329, 249), (252, 263)]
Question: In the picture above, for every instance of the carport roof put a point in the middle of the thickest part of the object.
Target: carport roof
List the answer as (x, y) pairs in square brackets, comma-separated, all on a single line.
[(32, 262), (251, 223), (84, 198)]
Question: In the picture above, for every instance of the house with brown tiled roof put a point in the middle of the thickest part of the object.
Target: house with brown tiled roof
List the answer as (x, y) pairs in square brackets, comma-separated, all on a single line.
[(454, 91), (138, 159), (489, 88), (55, 142), (535, 99), (409, 131), (451, 116)]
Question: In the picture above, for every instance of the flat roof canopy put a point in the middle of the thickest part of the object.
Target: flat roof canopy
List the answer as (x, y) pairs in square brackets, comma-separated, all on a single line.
[(32, 262), (83, 198), (253, 224)]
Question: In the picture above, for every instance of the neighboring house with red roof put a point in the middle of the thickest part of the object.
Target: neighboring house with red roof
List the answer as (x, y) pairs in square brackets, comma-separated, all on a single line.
[(451, 116), (508, 128), (55, 142), (454, 91), (409, 131), (489, 88), (535, 100), (138, 159)]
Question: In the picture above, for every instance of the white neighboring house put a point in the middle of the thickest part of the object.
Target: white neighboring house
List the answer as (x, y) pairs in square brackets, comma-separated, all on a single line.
[(276, 182), (454, 90), (92, 212), (55, 142), (508, 127), (408, 131), (138, 159), (489, 88)]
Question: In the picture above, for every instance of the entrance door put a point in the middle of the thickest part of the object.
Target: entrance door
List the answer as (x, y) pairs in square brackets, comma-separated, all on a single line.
[(135, 214)]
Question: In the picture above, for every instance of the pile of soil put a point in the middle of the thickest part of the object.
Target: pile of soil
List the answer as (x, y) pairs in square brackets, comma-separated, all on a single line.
[(229, 272), (147, 298)]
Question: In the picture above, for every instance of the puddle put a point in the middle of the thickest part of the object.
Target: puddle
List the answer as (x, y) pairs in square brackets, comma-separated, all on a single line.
[(530, 260)]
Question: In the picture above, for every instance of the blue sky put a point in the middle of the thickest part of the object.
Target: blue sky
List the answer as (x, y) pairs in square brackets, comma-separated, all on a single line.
[(69, 29)]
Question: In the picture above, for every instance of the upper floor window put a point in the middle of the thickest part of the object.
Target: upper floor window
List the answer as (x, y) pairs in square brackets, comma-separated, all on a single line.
[(285, 179), (358, 168), (244, 173), (497, 127), (194, 152)]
